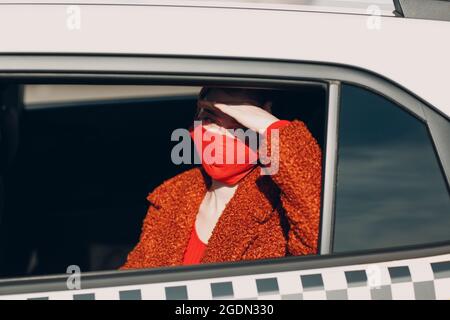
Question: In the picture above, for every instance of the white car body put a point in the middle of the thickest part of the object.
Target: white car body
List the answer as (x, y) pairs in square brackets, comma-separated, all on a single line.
[(413, 54), (395, 48)]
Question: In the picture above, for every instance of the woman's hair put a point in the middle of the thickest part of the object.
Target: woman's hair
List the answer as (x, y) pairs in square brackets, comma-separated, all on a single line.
[(229, 95)]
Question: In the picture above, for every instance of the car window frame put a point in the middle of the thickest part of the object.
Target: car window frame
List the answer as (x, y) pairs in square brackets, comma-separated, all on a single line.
[(114, 69)]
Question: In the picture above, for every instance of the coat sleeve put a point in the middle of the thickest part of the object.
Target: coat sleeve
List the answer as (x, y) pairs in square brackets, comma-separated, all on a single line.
[(299, 179)]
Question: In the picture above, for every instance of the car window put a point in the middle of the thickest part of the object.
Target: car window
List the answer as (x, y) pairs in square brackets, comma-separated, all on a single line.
[(88, 157), (390, 188)]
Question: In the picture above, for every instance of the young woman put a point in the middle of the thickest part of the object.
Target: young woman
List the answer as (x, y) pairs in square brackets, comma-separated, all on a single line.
[(231, 211)]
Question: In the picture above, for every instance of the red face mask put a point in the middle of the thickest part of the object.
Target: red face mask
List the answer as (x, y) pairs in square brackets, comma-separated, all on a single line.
[(224, 158)]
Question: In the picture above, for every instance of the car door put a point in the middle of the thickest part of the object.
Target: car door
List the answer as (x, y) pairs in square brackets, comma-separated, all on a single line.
[(369, 119)]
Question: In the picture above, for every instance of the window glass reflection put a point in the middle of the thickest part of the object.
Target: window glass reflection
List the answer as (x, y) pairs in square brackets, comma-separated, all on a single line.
[(390, 189)]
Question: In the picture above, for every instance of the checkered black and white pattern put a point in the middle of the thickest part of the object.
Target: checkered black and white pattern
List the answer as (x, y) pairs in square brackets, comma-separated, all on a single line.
[(422, 278)]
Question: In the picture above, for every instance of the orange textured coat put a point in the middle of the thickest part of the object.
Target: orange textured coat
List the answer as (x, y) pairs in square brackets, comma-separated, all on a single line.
[(269, 215)]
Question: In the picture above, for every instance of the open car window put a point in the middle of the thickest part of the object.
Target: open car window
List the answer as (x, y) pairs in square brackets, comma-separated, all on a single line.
[(87, 157)]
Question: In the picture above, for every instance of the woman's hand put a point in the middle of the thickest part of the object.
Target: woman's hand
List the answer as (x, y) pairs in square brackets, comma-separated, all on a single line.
[(252, 117)]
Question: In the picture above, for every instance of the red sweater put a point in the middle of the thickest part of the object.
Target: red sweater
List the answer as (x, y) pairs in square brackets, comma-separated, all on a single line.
[(195, 249)]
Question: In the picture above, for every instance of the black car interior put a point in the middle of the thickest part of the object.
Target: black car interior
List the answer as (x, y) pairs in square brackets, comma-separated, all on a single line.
[(75, 176)]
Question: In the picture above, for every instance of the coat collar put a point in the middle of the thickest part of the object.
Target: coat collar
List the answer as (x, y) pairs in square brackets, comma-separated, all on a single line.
[(237, 226), (251, 205)]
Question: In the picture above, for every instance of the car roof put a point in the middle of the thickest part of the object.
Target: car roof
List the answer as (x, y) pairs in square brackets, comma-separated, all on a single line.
[(386, 7), (411, 52)]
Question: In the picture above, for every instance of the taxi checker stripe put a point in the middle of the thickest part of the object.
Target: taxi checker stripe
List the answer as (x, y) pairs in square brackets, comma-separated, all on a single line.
[(421, 278)]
